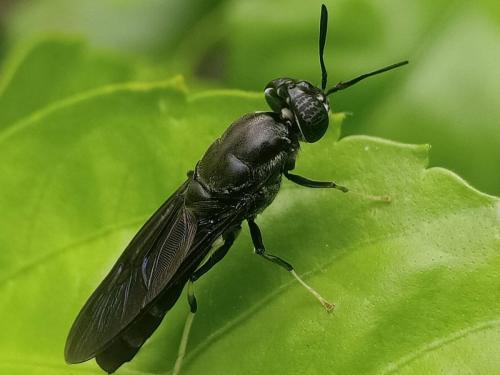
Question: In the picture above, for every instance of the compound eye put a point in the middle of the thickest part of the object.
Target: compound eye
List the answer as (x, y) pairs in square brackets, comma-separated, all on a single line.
[(311, 115), (273, 99)]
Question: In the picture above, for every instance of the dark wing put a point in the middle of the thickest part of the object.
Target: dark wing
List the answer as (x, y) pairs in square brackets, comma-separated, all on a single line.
[(141, 273), (147, 279)]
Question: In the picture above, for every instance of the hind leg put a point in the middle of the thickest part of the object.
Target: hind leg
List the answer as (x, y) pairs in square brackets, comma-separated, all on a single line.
[(193, 304)]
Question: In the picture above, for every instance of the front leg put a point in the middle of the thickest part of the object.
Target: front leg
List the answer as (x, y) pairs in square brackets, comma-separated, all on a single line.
[(332, 185), (314, 184)]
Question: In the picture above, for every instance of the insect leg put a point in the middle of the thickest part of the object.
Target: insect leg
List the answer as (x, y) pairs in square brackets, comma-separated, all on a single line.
[(314, 184), (193, 304), (261, 250), (331, 185), (218, 254)]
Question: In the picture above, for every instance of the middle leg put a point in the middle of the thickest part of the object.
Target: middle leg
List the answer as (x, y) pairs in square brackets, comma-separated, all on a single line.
[(260, 250)]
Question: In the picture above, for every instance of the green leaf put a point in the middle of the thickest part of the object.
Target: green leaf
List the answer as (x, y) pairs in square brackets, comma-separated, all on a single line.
[(415, 281), (60, 163), (50, 70)]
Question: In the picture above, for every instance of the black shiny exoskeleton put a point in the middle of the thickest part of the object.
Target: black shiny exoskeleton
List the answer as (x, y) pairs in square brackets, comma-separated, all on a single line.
[(236, 179)]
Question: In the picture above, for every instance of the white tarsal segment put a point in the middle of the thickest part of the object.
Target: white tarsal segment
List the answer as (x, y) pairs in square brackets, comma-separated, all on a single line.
[(327, 305), (187, 327), (183, 345), (287, 114)]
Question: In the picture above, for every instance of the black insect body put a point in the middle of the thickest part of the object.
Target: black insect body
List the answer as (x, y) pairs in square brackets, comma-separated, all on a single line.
[(237, 178)]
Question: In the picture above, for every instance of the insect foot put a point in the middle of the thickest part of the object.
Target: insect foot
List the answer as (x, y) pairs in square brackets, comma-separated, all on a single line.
[(327, 305)]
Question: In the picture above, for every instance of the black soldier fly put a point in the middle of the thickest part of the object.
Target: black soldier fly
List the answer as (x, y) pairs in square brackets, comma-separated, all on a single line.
[(237, 178)]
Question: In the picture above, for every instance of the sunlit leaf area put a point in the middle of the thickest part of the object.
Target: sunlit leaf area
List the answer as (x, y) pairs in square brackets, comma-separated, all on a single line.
[(105, 106)]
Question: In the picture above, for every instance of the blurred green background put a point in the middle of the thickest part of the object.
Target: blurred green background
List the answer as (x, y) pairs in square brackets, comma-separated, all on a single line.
[(448, 96)]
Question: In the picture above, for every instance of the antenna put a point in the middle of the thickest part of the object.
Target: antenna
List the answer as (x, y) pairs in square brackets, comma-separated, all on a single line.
[(343, 85), (323, 25)]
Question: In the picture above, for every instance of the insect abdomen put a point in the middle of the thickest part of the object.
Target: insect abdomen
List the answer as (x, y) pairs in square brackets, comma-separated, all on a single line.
[(125, 346)]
